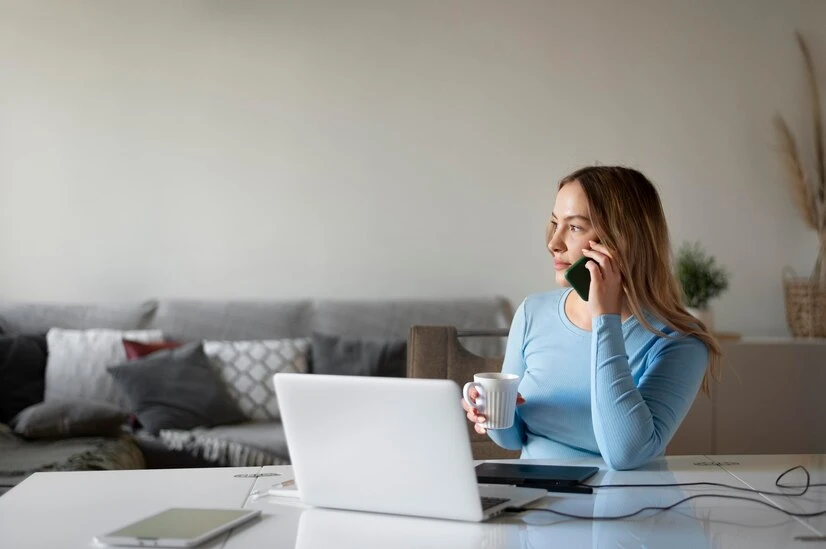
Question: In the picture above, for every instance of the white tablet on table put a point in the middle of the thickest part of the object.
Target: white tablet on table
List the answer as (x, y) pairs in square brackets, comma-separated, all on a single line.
[(178, 527)]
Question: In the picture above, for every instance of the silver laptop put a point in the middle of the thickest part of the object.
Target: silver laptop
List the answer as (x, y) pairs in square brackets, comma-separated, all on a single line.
[(386, 445)]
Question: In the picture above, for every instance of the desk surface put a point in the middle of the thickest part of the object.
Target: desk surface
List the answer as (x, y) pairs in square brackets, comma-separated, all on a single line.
[(68, 509)]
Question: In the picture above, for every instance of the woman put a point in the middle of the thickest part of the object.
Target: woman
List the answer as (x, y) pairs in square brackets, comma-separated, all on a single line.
[(615, 375)]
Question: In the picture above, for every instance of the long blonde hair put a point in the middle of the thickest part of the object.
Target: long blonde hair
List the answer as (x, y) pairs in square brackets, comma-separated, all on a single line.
[(628, 218)]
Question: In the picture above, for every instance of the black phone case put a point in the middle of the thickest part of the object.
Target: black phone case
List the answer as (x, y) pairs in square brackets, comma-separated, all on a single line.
[(579, 277)]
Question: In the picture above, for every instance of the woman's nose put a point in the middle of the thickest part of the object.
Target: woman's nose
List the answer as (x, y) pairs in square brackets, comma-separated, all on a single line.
[(555, 244)]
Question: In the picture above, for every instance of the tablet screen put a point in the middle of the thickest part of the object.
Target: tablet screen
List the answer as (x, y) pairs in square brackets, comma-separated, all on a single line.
[(179, 524)]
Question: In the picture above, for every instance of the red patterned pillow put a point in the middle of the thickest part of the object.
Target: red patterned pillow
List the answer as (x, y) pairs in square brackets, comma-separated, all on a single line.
[(137, 349)]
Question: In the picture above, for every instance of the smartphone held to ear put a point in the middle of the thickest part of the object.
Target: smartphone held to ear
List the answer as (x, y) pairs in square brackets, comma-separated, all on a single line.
[(579, 277)]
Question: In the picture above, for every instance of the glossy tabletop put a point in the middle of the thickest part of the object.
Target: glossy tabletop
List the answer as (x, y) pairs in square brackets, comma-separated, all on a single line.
[(69, 509), (761, 472), (701, 522)]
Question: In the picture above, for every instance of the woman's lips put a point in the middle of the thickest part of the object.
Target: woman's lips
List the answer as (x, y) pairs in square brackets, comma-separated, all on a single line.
[(561, 265)]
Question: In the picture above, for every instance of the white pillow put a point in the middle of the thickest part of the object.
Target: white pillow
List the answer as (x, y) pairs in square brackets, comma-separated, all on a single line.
[(247, 367), (76, 366)]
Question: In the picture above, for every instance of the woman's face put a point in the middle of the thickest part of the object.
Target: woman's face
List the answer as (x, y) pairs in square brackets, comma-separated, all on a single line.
[(570, 230)]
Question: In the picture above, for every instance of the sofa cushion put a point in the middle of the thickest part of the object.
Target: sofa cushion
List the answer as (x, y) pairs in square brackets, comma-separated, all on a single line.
[(184, 320), (39, 318), (343, 355), (242, 445), (76, 367), (176, 389), (138, 349), (22, 373), (247, 367), (69, 418)]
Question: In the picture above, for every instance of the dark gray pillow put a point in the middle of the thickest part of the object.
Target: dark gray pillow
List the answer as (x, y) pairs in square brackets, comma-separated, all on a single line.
[(343, 355), (176, 389), (22, 373), (69, 418)]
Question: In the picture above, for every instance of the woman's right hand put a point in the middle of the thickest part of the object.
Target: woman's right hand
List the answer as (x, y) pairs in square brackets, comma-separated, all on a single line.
[(473, 414)]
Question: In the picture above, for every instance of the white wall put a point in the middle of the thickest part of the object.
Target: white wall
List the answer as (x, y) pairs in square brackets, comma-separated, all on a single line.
[(384, 149)]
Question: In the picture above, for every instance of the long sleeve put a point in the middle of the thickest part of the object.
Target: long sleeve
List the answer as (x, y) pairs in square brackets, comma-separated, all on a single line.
[(514, 437), (633, 423)]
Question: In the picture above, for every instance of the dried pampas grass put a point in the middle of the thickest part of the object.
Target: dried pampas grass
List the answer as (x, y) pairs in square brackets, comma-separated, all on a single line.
[(808, 193), (817, 114), (798, 182)]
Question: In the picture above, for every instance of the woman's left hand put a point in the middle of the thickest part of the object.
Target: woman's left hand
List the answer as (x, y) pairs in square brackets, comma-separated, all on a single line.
[(605, 293)]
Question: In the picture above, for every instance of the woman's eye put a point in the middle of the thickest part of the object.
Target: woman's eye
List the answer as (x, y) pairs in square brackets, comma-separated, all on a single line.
[(575, 229)]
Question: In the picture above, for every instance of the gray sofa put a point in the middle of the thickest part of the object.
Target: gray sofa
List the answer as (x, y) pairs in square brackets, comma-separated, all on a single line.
[(248, 443)]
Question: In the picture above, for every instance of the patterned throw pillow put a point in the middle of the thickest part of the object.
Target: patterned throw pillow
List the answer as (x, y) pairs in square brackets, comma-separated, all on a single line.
[(247, 367), (77, 361)]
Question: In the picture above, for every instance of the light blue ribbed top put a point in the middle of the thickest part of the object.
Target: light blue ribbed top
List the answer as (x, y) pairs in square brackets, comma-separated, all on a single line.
[(618, 391)]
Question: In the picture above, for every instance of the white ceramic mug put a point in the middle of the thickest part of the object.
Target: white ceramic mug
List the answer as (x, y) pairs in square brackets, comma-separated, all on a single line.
[(497, 398)]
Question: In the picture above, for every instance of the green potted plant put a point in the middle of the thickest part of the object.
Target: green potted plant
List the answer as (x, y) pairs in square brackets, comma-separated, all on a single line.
[(701, 280)]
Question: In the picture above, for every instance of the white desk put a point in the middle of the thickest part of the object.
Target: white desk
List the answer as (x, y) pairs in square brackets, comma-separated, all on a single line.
[(704, 522), (761, 472), (68, 509)]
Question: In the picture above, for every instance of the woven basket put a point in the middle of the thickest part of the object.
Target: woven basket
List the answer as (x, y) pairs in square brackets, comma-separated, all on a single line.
[(805, 307)]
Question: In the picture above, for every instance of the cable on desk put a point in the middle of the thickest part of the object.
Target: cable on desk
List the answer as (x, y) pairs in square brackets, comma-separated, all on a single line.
[(689, 498), (723, 485)]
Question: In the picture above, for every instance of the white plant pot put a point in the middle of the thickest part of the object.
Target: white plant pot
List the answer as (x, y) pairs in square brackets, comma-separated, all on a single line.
[(703, 315)]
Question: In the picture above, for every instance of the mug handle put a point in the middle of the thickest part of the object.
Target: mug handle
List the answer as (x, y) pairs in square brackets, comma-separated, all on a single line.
[(480, 402)]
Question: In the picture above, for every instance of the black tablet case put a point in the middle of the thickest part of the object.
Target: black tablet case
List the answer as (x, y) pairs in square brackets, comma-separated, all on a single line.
[(534, 476)]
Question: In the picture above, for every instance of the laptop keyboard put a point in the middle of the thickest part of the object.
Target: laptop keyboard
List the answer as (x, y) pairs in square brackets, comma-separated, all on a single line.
[(487, 502)]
